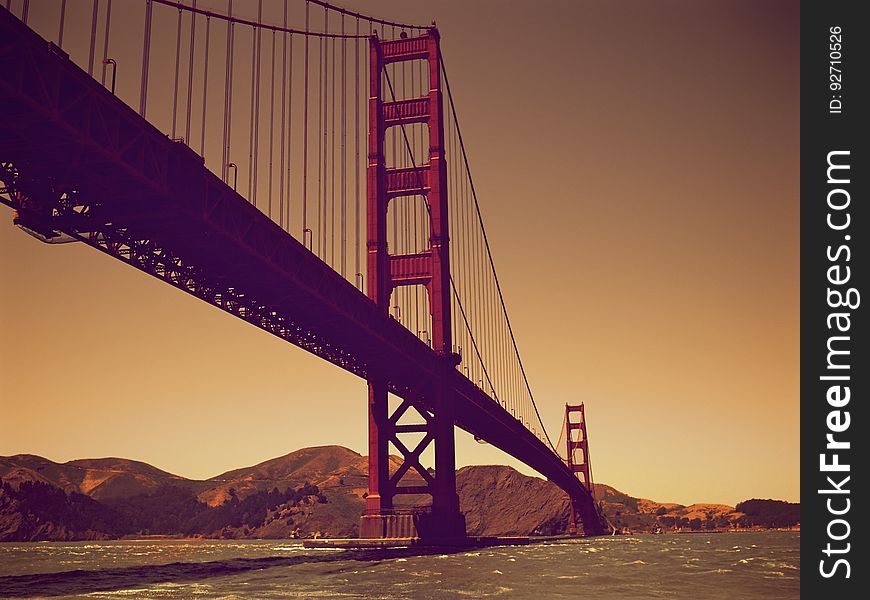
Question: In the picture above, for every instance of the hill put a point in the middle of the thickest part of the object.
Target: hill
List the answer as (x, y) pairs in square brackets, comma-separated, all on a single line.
[(138, 493), (323, 466), (313, 490), (99, 478), (498, 500)]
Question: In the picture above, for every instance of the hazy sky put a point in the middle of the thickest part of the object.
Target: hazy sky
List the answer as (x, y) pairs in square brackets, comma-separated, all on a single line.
[(637, 165)]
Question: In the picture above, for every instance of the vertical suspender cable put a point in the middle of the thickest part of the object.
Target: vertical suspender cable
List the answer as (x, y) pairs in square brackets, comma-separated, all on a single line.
[(412, 213), (146, 51), (456, 240), (489, 313), (283, 121), (259, 48), (105, 40), (332, 146), (190, 74), (481, 320), (204, 86), (474, 255), (356, 163), (271, 122), (505, 364), (93, 38), (456, 246), (484, 330), (229, 117), (464, 294), (473, 287), (251, 113), (289, 212), (343, 151), (494, 344), (177, 67), (402, 157), (413, 317), (228, 96), (305, 138), (60, 30), (394, 203), (465, 290), (325, 134), (471, 295), (491, 323), (420, 215), (320, 107), (459, 264)]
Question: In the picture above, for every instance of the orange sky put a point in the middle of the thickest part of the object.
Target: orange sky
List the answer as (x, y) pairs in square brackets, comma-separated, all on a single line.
[(637, 165)]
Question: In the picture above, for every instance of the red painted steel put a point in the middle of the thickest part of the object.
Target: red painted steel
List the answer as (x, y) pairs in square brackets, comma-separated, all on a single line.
[(576, 440), (408, 181), (416, 48), (412, 110), (430, 268), (75, 159), (411, 269)]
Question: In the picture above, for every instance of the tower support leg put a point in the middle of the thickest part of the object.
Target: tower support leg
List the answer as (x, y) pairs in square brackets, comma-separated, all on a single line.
[(379, 501), (447, 520)]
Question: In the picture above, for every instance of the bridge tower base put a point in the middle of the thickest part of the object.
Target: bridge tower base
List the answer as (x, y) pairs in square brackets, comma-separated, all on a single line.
[(386, 272)]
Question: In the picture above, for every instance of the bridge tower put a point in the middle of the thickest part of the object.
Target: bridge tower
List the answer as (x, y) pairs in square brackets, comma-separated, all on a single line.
[(578, 454), (386, 272)]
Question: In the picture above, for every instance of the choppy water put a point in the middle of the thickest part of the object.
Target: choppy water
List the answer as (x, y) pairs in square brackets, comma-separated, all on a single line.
[(698, 566)]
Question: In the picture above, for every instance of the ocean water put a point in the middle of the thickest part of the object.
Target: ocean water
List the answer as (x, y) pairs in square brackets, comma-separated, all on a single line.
[(697, 566)]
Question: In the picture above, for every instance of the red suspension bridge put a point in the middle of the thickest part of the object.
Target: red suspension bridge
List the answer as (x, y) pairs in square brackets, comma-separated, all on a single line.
[(287, 162)]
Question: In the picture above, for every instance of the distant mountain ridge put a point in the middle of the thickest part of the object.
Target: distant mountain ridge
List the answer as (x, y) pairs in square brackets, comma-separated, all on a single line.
[(312, 490), (100, 478), (113, 478)]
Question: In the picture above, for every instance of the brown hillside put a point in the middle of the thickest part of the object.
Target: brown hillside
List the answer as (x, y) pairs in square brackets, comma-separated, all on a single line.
[(498, 500), (327, 467), (335, 468), (308, 464), (100, 478), (24, 467)]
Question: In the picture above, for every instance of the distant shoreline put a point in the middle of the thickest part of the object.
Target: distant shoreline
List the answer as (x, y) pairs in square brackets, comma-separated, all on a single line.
[(534, 539)]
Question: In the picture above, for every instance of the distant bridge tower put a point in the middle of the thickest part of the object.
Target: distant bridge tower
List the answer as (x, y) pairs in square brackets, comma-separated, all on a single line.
[(577, 451), (386, 272)]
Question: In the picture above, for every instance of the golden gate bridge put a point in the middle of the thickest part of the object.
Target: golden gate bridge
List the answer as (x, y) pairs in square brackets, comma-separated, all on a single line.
[(301, 166)]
